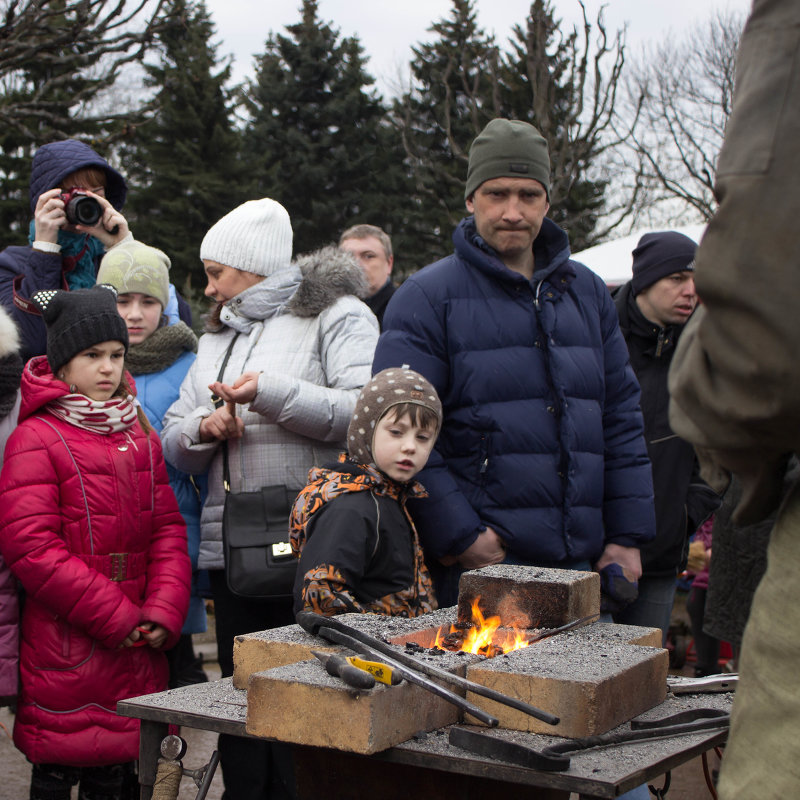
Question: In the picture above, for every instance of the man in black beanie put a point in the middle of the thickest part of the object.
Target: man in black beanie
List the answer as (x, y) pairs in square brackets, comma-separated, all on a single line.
[(541, 458), (653, 308)]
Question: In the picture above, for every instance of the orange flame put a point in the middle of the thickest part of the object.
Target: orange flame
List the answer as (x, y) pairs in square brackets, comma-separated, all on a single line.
[(485, 636)]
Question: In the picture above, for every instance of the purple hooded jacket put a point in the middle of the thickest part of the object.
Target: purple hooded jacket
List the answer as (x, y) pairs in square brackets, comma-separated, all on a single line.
[(33, 270)]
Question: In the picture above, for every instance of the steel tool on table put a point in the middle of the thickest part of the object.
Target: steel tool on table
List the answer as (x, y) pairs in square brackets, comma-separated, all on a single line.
[(410, 668), (554, 758)]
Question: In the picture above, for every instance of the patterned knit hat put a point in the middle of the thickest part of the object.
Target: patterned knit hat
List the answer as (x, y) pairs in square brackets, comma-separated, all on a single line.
[(255, 237), (390, 387), (508, 148), (78, 320), (136, 267)]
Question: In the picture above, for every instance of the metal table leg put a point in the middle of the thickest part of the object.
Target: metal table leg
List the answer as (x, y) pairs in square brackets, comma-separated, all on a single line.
[(150, 738)]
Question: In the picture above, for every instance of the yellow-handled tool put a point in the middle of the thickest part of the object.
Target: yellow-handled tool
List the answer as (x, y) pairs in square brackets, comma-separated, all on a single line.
[(381, 672)]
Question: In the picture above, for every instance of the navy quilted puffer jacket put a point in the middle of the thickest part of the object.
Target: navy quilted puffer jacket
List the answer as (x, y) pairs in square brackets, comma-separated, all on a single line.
[(542, 437)]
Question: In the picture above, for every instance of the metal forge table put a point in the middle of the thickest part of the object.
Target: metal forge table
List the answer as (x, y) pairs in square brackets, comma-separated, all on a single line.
[(428, 767)]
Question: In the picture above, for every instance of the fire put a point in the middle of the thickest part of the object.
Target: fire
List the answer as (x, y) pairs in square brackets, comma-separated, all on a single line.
[(484, 637)]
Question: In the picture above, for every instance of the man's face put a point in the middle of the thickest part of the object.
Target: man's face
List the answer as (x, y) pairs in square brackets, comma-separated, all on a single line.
[(669, 301), (509, 213), (373, 259)]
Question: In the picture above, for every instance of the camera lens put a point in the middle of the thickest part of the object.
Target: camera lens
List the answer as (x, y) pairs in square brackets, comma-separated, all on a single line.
[(83, 210)]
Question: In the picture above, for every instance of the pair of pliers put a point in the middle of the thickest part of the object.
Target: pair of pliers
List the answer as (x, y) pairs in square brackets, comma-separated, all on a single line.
[(356, 671)]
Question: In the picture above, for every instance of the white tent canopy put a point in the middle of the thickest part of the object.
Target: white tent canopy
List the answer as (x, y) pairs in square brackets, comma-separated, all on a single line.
[(612, 260)]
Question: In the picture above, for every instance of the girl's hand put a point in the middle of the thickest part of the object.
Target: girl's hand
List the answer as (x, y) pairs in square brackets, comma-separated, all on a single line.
[(111, 228), (243, 391), (154, 635), (221, 424), (133, 639), (49, 216)]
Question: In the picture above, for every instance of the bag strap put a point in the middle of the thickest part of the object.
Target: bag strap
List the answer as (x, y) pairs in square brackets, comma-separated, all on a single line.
[(218, 401)]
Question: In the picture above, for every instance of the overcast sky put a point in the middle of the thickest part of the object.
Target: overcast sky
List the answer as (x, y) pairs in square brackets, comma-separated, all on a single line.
[(388, 28)]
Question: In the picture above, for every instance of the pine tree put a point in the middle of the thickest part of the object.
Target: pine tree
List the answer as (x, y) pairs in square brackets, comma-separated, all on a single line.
[(315, 139), (183, 164), (451, 100), (59, 62), (554, 79)]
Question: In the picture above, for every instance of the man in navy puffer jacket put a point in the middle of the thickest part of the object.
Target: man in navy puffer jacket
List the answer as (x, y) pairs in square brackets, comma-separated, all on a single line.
[(541, 459)]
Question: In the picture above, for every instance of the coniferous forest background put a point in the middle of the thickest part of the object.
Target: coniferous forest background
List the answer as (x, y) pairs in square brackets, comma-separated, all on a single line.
[(632, 140)]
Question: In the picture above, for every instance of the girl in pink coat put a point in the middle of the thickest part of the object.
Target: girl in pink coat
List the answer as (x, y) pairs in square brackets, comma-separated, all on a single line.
[(91, 528)]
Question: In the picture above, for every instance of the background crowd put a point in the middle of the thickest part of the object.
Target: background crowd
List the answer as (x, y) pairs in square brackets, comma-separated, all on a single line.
[(541, 416)]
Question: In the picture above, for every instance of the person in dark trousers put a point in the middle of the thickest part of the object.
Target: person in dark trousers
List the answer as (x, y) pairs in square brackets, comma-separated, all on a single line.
[(653, 307), (541, 458), (372, 248)]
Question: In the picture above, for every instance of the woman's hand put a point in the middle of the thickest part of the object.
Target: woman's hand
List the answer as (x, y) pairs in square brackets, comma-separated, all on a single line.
[(243, 391), (111, 228), (49, 216), (222, 424)]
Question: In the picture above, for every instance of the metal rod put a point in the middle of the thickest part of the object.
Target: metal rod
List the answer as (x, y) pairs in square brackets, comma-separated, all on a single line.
[(337, 636), (312, 622)]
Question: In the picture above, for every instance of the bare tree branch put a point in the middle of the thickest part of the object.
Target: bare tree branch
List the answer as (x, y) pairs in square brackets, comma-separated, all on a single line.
[(57, 55), (672, 122)]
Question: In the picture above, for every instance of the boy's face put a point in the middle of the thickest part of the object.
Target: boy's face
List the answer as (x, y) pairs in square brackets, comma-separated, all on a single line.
[(400, 448)]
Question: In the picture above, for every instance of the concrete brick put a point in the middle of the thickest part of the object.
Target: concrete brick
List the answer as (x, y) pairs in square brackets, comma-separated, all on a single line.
[(529, 597), (594, 679), (302, 704), (263, 650)]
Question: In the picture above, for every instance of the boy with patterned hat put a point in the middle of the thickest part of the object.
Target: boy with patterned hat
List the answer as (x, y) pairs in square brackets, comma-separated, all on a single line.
[(357, 544)]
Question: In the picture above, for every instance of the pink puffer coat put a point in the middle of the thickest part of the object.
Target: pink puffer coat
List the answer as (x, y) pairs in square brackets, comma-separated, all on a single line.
[(90, 526)]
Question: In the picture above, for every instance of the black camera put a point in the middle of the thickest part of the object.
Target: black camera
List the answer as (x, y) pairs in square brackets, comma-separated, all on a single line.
[(80, 208)]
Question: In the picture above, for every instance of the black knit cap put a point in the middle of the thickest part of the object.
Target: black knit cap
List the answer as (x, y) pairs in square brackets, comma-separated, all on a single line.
[(660, 254), (78, 320)]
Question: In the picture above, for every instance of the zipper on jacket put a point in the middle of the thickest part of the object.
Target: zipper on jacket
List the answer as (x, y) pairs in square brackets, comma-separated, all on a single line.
[(483, 456), (662, 340)]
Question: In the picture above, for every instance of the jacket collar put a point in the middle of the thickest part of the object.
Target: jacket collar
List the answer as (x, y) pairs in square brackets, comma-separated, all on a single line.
[(550, 249)]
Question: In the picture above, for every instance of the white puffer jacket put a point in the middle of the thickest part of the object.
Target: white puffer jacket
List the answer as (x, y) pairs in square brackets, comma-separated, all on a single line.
[(312, 340)]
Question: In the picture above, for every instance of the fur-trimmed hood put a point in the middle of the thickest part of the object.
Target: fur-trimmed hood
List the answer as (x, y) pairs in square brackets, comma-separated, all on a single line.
[(9, 335), (305, 288), (326, 275)]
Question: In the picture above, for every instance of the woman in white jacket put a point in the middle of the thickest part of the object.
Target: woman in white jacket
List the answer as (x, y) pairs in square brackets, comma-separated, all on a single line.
[(302, 347)]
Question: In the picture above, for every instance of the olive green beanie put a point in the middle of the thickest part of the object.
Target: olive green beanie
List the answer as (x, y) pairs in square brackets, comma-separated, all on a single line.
[(136, 267), (508, 148)]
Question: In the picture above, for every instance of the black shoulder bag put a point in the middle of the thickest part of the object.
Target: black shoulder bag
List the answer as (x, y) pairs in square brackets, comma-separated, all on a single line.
[(255, 533)]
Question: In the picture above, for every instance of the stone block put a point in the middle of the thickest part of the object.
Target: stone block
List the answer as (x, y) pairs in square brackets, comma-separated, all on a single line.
[(300, 703), (529, 597), (594, 679), (263, 650)]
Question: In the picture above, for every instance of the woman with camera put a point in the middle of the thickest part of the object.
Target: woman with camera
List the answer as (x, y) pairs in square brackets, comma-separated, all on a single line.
[(76, 198)]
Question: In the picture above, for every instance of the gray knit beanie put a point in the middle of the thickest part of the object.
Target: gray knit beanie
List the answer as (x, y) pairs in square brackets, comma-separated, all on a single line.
[(508, 148), (136, 267), (390, 387), (255, 237), (79, 319)]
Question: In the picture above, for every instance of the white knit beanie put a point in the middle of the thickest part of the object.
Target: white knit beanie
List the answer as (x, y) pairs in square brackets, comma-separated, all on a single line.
[(255, 237)]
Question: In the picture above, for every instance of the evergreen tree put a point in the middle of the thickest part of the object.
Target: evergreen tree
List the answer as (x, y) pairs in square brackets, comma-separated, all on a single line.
[(451, 99), (315, 139), (183, 163), (554, 81), (59, 61)]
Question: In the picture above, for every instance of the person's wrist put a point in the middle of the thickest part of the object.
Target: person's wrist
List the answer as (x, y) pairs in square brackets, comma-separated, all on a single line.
[(44, 246)]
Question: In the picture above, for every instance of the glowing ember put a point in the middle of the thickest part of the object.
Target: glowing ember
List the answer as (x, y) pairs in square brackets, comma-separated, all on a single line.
[(484, 637)]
